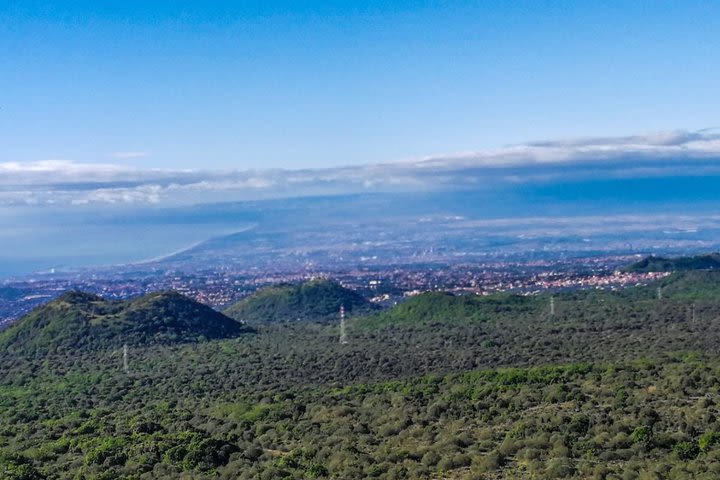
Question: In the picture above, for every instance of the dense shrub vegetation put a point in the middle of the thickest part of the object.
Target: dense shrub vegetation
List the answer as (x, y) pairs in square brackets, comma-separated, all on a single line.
[(662, 264), (79, 320), (614, 385), (316, 300)]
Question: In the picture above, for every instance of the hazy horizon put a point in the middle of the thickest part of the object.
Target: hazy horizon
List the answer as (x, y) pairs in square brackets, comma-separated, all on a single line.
[(121, 121)]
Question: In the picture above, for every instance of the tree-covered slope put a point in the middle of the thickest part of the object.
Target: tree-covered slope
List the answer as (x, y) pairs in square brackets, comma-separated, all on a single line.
[(613, 385), (444, 307), (681, 285), (662, 264), (79, 320), (313, 300)]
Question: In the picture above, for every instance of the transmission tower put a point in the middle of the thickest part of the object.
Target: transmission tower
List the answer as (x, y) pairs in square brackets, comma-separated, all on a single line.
[(343, 333), (659, 293), (552, 305), (694, 314), (126, 368)]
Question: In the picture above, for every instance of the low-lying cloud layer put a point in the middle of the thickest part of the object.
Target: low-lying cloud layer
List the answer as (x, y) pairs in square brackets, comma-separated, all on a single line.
[(63, 182)]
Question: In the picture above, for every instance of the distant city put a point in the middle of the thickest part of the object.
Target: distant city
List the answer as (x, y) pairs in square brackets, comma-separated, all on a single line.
[(221, 287)]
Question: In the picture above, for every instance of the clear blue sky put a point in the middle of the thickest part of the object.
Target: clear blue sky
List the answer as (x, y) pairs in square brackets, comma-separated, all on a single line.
[(203, 84)]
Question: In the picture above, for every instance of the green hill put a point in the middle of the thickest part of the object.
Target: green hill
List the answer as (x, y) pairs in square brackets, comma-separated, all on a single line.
[(662, 264), (691, 285), (79, 320), (443, 307), (310, 301), (614, 384)]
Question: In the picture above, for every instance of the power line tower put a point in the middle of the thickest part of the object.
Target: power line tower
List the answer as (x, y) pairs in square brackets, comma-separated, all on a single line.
[(659, 293), (343, 333), (694, 313), (126, 368), (552, 306)]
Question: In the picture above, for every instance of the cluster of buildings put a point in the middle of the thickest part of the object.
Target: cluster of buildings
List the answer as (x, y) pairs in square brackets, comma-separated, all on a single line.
[(613, 280), (384, 285)]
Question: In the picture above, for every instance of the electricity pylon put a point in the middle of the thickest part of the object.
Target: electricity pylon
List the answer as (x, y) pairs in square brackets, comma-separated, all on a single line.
[(343, 333)]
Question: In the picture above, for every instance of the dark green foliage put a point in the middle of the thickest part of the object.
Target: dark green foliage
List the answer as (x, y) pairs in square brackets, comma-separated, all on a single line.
[(78, 320), (686, 450), (466, 423), (310, 301), (708, 440), (643, 435), (17, 467), (445, 307), (692, 285), (661, 264), (614, 385)]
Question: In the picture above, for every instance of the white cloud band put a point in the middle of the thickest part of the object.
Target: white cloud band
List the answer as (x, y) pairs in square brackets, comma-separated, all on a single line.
[(63, 182)]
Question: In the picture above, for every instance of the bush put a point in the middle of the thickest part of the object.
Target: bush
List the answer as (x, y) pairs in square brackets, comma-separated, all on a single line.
[(16, 467), (708, 440), (109, 452), (642, 434), (487, 463), (316, 470), (686, 450), (430, 458), (559, 468)]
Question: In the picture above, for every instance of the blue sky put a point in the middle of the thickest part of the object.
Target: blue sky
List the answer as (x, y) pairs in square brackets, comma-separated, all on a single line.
[(256, 85), (111, 111)]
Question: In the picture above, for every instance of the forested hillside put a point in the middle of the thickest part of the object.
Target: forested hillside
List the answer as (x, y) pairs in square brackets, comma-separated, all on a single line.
[(612, 385), (315, 300), (77, 321), (675, 264)]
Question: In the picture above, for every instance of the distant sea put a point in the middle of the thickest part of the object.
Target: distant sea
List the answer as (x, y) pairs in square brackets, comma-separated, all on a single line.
[(45, 249), (38, 239)]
